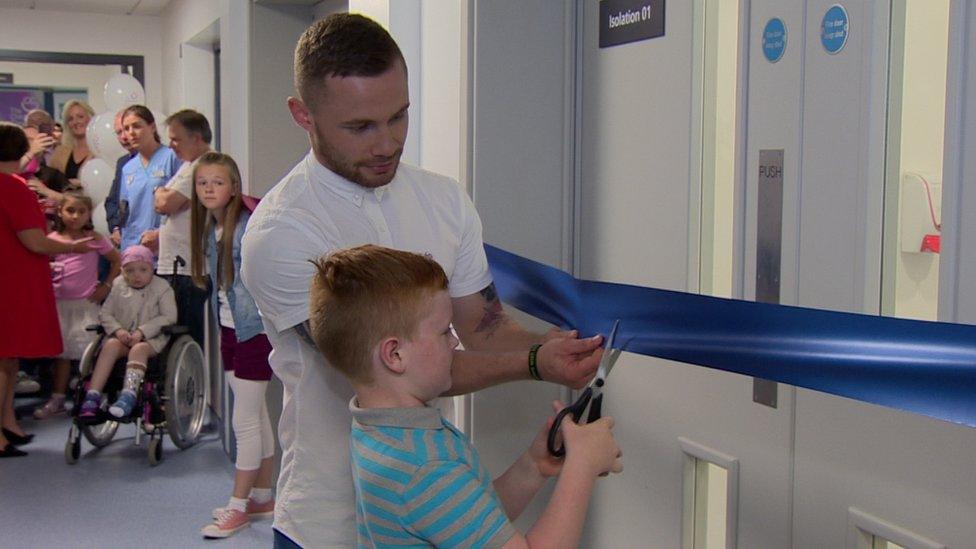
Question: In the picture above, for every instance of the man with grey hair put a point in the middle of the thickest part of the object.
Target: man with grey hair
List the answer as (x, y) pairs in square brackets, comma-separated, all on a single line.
[(189, 137)]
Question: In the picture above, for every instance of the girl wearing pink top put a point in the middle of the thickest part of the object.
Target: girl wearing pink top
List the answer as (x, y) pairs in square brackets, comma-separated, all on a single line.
[(77, 290)]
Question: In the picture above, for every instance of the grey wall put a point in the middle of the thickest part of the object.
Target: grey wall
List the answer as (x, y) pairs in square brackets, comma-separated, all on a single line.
[(276, 143), (522, 180)]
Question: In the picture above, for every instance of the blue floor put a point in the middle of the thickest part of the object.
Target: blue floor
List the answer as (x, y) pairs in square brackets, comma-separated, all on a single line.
[(112, 497)]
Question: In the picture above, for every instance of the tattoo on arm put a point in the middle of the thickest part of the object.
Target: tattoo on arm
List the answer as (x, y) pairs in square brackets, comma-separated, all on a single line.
[(493, 316)]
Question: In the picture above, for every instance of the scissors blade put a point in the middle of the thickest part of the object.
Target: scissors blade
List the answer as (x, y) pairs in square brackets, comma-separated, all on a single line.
[(610, 354)]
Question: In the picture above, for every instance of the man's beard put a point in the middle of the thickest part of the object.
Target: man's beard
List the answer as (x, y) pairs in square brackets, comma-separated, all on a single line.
[(349, 170)]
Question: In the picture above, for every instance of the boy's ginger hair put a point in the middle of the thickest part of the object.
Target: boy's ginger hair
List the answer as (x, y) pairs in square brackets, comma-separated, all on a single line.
[(361, 295)]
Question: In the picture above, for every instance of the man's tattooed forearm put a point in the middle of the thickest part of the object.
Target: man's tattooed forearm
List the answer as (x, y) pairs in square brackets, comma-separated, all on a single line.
[(493, 316)]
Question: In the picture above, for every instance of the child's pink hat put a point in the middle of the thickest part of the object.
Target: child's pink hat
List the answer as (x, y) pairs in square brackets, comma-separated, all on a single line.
[(138, 252)]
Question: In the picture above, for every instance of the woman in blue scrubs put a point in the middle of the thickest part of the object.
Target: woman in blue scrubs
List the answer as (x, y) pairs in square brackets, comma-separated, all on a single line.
[(148, 170)]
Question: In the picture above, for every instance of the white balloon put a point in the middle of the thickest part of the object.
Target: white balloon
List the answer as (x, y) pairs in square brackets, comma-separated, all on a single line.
[(123, 90), (99, 219), (96, 179), (101, 137)]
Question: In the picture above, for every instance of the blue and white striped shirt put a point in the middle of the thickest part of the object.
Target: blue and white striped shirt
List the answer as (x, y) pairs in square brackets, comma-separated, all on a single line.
[(419, 483)]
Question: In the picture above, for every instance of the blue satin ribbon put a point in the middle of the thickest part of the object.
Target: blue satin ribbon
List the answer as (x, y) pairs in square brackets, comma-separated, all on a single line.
[(923, 367)]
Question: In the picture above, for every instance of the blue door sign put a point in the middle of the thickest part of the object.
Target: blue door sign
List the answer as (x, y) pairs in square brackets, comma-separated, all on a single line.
[(834, 29), (774, 39)]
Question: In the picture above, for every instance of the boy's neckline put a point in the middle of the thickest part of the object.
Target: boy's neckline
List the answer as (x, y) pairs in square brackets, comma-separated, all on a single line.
[(414, 417)]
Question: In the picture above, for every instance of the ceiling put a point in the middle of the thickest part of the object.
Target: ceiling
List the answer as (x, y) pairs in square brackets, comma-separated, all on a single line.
[(112, 7)]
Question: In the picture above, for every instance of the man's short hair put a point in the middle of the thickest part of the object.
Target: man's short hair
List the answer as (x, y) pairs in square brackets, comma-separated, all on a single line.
[(342, 44), (194, 123), (13, 142), (361, 295)]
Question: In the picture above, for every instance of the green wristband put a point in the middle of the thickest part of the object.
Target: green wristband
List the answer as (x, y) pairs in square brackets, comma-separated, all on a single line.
[(533, 362)]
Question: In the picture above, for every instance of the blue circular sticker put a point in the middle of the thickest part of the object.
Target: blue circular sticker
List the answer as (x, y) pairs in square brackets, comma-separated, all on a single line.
[(834, 29), (774, 39)]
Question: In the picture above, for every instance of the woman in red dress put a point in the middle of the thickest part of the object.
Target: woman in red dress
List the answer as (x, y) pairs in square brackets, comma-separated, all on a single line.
[(28, 317)]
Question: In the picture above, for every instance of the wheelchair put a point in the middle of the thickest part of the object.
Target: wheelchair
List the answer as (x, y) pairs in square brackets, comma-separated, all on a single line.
[(172, 398)]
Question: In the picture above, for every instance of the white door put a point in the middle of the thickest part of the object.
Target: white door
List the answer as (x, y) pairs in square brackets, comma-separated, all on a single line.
[(855, 460), (644, 120), (816, 470)]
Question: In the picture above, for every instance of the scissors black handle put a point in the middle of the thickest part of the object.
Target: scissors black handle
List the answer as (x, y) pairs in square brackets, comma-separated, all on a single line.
[(595, 408), (576, 409)]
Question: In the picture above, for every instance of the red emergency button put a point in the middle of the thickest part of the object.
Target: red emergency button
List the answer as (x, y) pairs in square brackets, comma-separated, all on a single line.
[(931, 243)]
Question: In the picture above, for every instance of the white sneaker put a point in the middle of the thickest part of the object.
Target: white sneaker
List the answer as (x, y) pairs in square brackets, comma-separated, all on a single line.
[(26, 384)]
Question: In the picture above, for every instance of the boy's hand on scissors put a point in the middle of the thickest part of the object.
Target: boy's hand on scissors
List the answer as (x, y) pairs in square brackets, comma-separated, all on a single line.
[(591, 446), (547, 464), (570, 361)]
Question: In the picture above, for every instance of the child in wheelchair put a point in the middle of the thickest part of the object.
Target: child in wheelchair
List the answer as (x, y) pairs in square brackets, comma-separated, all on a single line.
[(133, 316)]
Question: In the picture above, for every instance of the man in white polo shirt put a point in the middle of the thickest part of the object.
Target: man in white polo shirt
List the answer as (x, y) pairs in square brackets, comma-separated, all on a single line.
[(189, 137), (351, 189)]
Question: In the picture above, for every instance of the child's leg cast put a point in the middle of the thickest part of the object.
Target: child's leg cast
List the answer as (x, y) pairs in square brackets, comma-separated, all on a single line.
[(135, 372)]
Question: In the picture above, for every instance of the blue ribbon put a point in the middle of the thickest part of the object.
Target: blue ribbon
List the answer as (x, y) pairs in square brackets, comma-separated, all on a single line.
[(923, 367)]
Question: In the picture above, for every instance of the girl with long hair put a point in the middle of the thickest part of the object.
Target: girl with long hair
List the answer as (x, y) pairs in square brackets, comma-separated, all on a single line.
[(218, 219)]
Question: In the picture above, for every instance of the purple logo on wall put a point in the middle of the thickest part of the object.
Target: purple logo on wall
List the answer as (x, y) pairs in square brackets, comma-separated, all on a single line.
[(15, 104)]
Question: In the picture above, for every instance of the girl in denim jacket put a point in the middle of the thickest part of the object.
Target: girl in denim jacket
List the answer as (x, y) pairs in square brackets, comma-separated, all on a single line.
[(218, 219)]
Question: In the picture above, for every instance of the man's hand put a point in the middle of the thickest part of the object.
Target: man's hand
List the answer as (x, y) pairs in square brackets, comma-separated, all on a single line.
[(569, 361), (116, 237), (150, 239), (556, 333)]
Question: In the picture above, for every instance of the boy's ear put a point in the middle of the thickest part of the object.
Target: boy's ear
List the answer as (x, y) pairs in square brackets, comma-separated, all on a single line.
[(389, 351)]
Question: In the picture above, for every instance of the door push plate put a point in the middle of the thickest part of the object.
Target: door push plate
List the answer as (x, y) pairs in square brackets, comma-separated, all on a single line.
[(769, 245)]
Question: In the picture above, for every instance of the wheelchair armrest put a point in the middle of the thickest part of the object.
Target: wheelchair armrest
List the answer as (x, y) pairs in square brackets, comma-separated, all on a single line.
[(175, 330), (97, 328)]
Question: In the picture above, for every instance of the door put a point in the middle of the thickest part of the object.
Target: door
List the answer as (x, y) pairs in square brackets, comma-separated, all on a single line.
[(651, 215), (870, 193)]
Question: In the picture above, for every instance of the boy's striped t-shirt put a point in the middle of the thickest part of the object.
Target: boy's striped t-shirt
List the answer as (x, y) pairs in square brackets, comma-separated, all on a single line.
[(419, 483)]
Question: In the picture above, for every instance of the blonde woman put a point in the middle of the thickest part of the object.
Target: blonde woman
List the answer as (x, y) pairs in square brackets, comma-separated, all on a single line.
[(73, 151)]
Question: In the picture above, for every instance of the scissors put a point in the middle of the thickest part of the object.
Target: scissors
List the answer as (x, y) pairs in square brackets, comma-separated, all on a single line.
[(592, 395)]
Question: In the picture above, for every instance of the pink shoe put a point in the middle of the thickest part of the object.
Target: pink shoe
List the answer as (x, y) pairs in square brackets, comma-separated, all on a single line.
[(254, 510), (51, 408), (227, 523)]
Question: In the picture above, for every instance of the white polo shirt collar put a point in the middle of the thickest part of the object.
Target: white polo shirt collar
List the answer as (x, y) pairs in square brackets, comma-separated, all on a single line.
[(353, 192)]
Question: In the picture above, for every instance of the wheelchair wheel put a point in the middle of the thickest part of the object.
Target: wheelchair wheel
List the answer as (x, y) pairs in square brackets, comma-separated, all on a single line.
[(88, 357), (100, 435), (184, 392)]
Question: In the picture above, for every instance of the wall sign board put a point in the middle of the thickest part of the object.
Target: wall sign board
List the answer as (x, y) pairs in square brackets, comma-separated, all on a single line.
[(834, 29), (625, 21), (774, 39)]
